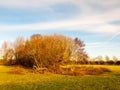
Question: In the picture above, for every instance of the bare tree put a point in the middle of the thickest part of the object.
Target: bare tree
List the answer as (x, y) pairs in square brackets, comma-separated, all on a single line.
[(115, 59), (5, 47), (33, 49), (19, 49), (78, 52), (100, 59), (107, 59)]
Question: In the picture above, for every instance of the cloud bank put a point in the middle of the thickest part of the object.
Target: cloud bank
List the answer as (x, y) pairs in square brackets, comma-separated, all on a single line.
[(88, 19)]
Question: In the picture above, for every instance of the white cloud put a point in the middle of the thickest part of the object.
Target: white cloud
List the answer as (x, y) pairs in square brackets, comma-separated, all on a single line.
[(29, 3), (114, 36), (96, 23), (85, 4), (87, 20), (104, 45)]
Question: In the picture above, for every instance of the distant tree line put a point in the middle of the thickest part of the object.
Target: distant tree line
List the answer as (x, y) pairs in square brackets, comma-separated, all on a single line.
[(99, 60), (44, 51), (104, 60)]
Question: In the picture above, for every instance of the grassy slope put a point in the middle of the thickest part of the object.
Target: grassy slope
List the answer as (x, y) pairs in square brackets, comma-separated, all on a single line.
[(29, 81)]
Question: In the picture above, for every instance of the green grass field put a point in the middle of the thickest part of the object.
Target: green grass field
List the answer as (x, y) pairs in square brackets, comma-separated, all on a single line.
[(48, 81)]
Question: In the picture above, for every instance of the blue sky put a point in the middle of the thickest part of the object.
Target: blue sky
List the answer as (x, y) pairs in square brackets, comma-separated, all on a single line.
[(96, 22)]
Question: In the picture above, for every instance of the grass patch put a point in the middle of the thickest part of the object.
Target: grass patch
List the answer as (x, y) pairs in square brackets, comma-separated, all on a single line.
[(49, 81)]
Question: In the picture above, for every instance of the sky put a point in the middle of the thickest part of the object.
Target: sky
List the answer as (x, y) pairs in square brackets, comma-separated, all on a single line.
[(96, 22)]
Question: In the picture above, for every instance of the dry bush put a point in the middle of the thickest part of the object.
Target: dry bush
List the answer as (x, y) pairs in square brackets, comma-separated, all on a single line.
[(76, 71), (39, 70), (17, 70)]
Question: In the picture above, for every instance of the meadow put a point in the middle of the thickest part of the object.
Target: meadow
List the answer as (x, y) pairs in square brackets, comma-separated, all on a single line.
[(50, 81)]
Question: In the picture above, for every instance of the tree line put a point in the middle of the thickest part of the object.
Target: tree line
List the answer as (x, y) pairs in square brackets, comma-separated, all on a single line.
[(44, 51), (104, 60)]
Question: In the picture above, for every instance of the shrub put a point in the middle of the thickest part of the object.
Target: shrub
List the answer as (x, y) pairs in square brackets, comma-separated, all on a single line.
[(39, 70)]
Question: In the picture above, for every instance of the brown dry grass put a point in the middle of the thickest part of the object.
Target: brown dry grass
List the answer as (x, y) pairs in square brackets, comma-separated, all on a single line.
[(75, 71), (17, 70), (83, 70)]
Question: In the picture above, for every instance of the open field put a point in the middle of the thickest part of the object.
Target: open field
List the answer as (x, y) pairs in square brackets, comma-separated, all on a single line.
[(48, 81)]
